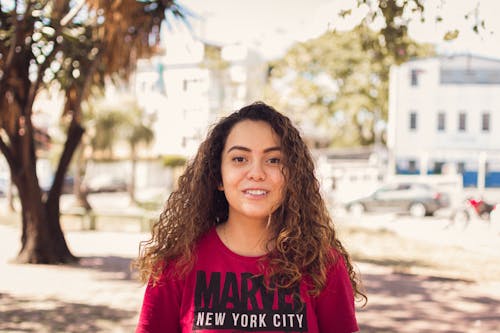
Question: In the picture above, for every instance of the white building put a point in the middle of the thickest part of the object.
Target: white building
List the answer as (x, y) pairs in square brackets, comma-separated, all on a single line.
[(179, 91), (186, 95), (349, 173), (444, 116)]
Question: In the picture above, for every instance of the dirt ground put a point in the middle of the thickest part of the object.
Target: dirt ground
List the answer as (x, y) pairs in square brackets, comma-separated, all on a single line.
[(102, 295), (401, 302)]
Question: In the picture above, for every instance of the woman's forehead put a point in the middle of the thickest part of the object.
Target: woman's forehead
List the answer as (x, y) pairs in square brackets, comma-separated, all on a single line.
[(252, 134)]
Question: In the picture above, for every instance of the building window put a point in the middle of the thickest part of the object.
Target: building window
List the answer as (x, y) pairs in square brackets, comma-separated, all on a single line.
[(441, 121), (485, 122), (462, 122), (413, 120), (412, 166), (438, 168), (469, 76), (414, 77), (461, 167)]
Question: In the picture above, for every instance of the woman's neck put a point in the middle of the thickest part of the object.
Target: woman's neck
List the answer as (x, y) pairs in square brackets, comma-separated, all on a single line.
[(245, 237)]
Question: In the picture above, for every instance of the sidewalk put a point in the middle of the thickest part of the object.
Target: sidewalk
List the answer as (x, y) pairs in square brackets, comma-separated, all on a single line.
[(406, 303), (101, 295)]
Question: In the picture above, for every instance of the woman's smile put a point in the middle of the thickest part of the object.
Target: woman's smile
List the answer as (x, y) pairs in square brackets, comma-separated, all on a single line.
[(252, 172), (256, 193)]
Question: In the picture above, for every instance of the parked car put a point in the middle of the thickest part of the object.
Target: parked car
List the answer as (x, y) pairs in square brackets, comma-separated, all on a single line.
[(416, 199), (105, 183)]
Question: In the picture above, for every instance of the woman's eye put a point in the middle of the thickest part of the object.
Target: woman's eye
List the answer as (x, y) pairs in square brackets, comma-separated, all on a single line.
[(238, 159), (274, 160)]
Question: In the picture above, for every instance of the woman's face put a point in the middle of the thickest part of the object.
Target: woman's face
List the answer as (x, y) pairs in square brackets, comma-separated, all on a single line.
[(251, 168)]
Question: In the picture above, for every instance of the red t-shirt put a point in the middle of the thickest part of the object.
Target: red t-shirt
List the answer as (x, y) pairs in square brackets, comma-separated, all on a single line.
[(223, 293)]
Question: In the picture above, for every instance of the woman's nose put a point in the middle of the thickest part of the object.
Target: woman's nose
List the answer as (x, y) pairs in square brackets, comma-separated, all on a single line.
[(256, 171)]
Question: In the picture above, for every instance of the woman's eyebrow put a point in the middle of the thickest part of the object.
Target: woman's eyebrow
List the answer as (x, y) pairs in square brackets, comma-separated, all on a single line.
[(267, 150), (276, 148), (238, 148)]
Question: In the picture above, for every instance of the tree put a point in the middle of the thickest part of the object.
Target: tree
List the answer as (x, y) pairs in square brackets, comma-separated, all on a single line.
[(116, 121), (397, 15), (74, 45), (339, 81), (137, 131), (107, 123), (124, 121)]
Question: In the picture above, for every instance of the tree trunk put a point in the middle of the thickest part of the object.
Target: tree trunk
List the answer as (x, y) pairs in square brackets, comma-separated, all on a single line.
[(131, 186), (42, 239), (81, 194)]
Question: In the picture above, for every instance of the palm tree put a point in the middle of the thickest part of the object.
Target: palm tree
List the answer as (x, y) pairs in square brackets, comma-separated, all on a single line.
[(138, 130), (104, 122), (115, 122), (74, 46)]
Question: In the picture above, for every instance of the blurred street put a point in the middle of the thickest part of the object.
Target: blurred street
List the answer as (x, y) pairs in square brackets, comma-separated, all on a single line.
[(398, 102), (478, 235), (102, 295)]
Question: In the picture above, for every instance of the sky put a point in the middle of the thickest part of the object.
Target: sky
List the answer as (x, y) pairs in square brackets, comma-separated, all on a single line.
[(271, 26)]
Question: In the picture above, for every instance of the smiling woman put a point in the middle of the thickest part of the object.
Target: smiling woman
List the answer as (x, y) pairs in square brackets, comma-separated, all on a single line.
[(252, 181), (246, 242)]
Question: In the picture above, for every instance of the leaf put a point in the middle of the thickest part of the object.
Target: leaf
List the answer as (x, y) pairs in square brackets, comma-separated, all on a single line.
[(344, 13), (451, 35)]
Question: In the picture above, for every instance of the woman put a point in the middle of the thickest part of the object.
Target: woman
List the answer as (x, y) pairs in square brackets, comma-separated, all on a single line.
[(246, 242)]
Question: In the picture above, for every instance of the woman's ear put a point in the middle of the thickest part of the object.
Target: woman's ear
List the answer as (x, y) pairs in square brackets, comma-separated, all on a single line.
[(220, 187)]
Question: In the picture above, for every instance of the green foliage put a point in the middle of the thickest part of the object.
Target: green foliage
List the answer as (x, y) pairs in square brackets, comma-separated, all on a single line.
[(106, 124), (339, 82), (396, 16), (213, 58), (451, 35), (174, 161), (120, 121), (137, 126), (72, 47)]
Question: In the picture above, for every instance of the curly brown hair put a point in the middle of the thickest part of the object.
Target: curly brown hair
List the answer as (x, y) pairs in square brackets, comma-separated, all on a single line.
[(304, 242)]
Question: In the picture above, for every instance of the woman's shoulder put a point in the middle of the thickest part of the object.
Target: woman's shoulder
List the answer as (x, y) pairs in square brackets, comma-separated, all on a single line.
[(335, 265)]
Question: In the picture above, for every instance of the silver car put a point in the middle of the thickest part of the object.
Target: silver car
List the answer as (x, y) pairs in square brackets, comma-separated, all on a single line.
[(416, 199)]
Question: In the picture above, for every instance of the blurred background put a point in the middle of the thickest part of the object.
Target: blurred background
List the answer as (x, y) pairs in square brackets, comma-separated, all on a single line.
[(103, 102)]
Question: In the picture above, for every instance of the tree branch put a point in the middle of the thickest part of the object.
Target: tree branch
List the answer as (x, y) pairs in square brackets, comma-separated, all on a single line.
[(72, 13), (12, 50), (18, 32), (48, 59), (75, 133), (63, 22), (18, 36), (35, 85)]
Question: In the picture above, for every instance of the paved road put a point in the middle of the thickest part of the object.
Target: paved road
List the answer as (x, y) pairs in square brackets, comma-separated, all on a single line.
[(479, 235), (400, 302), (101, 295)]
